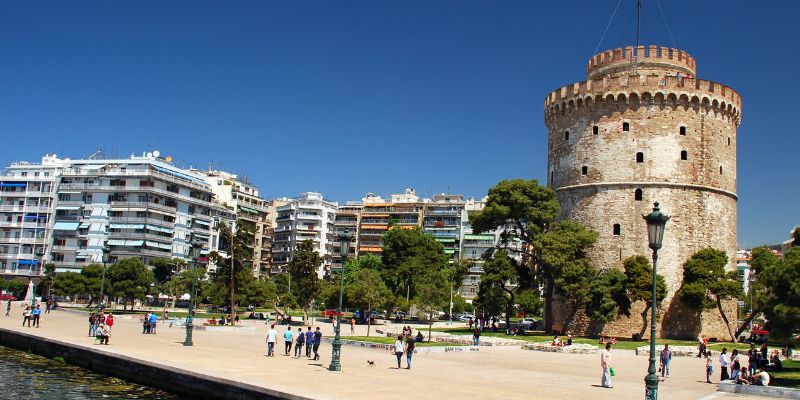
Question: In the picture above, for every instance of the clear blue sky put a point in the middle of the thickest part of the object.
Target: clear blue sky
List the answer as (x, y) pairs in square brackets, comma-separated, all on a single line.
[(348, 97)]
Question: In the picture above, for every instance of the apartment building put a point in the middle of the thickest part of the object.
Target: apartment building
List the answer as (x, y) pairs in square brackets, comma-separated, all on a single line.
[(242, 199), (308, 217), (348, 218), (404, 210), (442, 218), (142, 206)]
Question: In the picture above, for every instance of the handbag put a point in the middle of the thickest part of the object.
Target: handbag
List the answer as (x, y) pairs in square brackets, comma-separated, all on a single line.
[(612, 372)]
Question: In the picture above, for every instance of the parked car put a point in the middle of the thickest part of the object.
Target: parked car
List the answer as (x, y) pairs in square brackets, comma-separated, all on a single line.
[(7, 296)]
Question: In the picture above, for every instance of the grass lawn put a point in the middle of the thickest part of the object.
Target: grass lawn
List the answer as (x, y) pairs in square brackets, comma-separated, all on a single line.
[(388, 340), (789, 376)]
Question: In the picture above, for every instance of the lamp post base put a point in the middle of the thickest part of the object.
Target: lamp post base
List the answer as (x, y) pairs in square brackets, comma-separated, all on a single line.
[(651, 387), (188, 340), (335, 364)]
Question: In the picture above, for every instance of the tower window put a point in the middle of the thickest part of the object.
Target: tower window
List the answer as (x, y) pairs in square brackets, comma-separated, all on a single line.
[(720, 169), (729, 141), (566, 135), (683, 131), (551, 177), (684, 155), (640, 157), (585, 170), (595, 130), (617, 230), (637, 195), (626, 127)]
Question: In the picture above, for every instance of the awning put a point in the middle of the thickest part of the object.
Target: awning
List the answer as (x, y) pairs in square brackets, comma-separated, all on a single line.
[(445, 240), (115, 242), (201, 222), (479, 237), (248, 210), (201, 235), (63, 191), (180, 175), (66, 226), (12, 184), (92, 166), (134, 243), (159, 228), (67, 208), (150, 243), (126, 226), (85, 224), (449, 251), (27, 262)]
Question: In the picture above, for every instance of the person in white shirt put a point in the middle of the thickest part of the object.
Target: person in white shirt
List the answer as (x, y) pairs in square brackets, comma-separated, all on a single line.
[(761, 378), (723, 365), (272, 336), (605, 363), (398, 349)]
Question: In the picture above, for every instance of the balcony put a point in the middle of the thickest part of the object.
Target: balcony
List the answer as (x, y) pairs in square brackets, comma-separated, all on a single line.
[(14, 224), (141, 220), (142, 205), (66, 248), (135, 236)]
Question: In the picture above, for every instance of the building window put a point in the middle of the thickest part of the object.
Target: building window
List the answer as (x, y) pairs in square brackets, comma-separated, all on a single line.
[(684, 155), (637, 195), (566, 135), (551, 177), (683, 131), (595, 130), (585, 170), (626, 127), (617, 230), (720, 169), (729, 141), (640, 157)]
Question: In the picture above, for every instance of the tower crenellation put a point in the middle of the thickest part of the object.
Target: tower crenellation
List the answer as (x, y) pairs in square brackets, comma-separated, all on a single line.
[(644, 128)]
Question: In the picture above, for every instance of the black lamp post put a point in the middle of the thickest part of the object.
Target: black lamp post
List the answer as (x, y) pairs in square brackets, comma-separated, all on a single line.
[(106, 254), (656, 221), (197, 245), (344, 240)]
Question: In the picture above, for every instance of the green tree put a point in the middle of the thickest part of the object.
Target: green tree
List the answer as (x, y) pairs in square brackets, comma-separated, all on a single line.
[(782, 301), (259, 292), (235, 268), (49, 277), (460, 305), (564, 267), (796, 237), (608, 297), (706, 283), (639, 285), (354, 265), (93, 281), (303, 271), (522, 210), (367, 290), (763, 263), (529, 302), (164, 268), (432, 292), (70, 284), (408, 257), (503, 272), (129, 280)]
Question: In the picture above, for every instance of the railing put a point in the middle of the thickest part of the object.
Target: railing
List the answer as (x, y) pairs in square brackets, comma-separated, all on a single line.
[(145, 204), (22, 240), (145, 220), (26, 208), (13, 224), (147, 236), (75, 203), (133, 172), (66, 248)]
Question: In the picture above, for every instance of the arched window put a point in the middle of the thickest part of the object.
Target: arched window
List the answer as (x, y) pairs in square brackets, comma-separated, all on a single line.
[(626, 127), (617, 230), (684, 155), (566, 135), (683, 131), (595, 130), (637, 195), (585, 170), (640, 157)]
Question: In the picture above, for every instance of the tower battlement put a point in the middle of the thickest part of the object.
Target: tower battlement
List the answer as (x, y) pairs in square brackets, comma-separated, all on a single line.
[(613, 62)]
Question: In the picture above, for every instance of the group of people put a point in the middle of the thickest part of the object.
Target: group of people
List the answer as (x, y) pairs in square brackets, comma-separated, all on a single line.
[(561, 343), (222, 321), (732, 368), (149, 323), (30, 315), (311, 340), (100, 326), (406, 344)]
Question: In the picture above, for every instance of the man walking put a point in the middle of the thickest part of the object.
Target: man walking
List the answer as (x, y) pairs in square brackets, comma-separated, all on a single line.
[(272, 336), (153, 323), (93, 324), (352, 327), (605, 363), (666, 357), (317, 341), (8, 307), (287, 341), (309, 341), (37, 312), (298, 347)]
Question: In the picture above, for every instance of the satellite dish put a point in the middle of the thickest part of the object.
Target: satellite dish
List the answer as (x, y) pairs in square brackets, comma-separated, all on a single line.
[(149, 155), (168, 159), (156, 153)]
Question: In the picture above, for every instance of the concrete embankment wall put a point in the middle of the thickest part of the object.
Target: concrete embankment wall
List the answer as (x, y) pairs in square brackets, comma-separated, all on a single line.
[(181, 382)]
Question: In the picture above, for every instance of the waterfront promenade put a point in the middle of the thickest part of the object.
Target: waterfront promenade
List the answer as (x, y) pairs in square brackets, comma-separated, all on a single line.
[(494, 372)]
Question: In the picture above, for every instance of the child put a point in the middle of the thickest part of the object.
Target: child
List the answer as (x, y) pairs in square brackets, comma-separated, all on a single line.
[(709, 366)]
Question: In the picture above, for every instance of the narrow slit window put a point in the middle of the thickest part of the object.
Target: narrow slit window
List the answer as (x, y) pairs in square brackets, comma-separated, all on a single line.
[(729, 141), (595, 130), (684, 155), (617, 230), (637, 195), (566, 135), (585, 170), (683, 131), (720, 169), (626, 127), (640, 157)]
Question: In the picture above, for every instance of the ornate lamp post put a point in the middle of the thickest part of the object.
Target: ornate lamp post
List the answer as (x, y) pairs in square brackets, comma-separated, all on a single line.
[(344, 240), (106, 254), (656, 221), (39, 257), (197, 245)]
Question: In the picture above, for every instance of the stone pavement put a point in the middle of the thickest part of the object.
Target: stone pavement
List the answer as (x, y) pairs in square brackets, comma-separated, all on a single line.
[(494, 372)]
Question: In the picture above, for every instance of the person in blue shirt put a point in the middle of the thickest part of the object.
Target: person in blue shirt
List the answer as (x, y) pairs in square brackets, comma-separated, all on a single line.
[(317, 341), (153, 323), (272, 336), (301, 340), (666, 357), (309, 341), (36, 313), (287, 340)]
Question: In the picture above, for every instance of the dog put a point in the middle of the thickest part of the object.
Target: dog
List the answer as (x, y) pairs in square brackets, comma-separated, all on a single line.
[(371, 363)]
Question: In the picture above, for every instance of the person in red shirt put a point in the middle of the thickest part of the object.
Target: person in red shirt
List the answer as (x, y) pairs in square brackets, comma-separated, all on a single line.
[(110, 320)]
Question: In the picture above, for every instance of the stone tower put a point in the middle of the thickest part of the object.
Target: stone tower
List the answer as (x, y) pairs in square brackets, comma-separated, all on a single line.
[(643, 128)]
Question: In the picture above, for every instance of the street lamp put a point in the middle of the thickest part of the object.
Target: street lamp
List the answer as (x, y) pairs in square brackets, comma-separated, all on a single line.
[(106, 253), (344, 240), (656, 221), (197, 245), (39, 257)]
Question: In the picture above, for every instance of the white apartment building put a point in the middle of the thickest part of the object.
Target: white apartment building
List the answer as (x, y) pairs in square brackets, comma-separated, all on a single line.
[(309, 216), (142, 207)]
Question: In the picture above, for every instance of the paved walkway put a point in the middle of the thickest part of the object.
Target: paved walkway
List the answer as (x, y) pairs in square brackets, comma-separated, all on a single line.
[(494, 372)]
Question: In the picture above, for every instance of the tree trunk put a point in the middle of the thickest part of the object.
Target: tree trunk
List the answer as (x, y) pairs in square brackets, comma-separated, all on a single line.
[(747, 321), (725, 318), (305, 315), (430, 325), (645, 313), (509, 308), (369, 317), (548, 305)]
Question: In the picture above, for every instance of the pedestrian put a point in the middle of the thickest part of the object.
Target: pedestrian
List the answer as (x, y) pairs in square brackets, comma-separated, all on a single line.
[(26, 316), (104, 334), (317, 341), (666, 357), (752, 359), (398, 350), (49, 305), (476, 337), (410, 347), (8, 307), (272, 336), (352, 327), (146, 324), (735, 364), (709, 366), (470, 323), (723, 365), (701, 346), (110, 321), (92, 324), (605, 363), (287, 341), (309, 341), (153, 322), (36, 312), (301, 340)]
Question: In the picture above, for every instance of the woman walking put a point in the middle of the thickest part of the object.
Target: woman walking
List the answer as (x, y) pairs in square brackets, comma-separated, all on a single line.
[(411, 345), (398, 350), (605, 363)]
